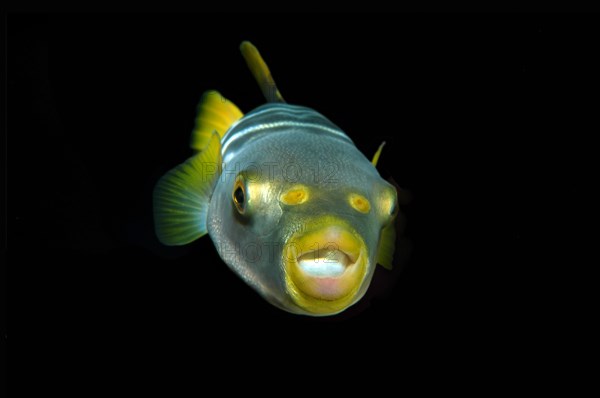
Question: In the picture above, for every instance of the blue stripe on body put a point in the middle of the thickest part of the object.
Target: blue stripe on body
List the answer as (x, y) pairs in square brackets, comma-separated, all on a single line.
[(274, 117)]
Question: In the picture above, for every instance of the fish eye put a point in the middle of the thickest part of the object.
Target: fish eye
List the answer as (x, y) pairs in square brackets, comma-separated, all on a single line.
[(239, 196), (394, 208), (392, 205)]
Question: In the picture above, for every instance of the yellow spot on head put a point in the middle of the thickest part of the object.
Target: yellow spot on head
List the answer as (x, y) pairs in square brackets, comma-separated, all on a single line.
[(296, 195), (359, 203)]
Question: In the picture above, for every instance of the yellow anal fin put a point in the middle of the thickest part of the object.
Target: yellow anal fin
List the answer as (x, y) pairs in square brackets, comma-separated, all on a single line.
[(215, 113), (181, 196), (387, 245), (261, 72), (378, 154)]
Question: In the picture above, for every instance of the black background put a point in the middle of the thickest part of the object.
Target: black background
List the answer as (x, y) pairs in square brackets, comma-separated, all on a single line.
[(478, 113)]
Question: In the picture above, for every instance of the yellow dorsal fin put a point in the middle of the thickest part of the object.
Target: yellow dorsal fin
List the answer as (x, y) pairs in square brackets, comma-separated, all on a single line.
[(261, 72), (378, 154), (215, 113)]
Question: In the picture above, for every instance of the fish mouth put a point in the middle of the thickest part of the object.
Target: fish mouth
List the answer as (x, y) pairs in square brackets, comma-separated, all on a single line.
[(325, 268)]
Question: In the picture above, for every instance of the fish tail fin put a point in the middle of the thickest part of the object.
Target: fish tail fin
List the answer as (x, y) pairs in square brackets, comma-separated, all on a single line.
[(261, 72), (215, 113), (182, 195)]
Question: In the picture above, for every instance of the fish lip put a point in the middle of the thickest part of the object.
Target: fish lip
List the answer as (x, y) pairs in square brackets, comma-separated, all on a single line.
[(324, 292)]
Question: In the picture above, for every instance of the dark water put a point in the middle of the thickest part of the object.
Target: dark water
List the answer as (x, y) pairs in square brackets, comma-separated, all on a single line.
[(101, 106)]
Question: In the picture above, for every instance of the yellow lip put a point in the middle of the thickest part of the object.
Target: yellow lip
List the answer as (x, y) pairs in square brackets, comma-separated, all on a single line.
[(325, 267)]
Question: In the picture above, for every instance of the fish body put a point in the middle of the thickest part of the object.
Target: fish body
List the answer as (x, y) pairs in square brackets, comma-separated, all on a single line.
[(290, 203)]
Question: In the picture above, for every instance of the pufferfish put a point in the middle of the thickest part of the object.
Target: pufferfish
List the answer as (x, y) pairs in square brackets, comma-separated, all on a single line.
[(290, 203)]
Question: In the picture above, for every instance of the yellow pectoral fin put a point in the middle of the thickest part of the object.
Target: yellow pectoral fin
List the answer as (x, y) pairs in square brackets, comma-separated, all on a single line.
[(387, 245), (181, 196), (215, 113)]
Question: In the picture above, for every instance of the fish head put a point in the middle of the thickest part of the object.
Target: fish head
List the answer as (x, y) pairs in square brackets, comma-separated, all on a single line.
[(309, 246), (331, 239)]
